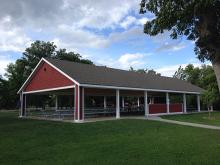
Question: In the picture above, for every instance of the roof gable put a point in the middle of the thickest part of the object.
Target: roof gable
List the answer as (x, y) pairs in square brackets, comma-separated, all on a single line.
[(42, 61), (46, 77)]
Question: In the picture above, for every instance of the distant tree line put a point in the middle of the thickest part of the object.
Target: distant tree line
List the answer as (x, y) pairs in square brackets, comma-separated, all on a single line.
[(18, 72), (145, 71), (205, 78)]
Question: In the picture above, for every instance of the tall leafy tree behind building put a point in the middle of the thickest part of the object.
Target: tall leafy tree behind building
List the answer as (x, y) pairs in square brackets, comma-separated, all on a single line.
[(198, 20), (203, 77), (18, 72)]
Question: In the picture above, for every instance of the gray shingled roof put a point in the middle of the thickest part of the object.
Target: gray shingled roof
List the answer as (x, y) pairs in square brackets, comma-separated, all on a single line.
[(100, 75)]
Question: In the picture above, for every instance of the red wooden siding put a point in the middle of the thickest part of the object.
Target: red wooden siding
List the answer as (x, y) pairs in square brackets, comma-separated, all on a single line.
[(162, 108), (157, 108), (176, 107), (47, 77)]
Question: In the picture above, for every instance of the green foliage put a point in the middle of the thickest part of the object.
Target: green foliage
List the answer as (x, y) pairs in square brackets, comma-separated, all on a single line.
[(145, 71), (203, 77), (71, 56), (3, 92), (18, 72), (198, 20)]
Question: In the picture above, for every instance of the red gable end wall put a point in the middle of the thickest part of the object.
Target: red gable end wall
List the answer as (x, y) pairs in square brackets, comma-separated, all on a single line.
[(47, 77)]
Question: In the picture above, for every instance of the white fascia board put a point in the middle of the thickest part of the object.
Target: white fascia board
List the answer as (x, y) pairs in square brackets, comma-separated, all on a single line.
[(137, 89), (49, 89), (30, 76)]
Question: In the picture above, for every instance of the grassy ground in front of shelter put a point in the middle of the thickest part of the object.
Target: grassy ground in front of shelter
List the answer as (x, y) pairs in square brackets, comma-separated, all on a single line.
[(212, 118), (126, 141)]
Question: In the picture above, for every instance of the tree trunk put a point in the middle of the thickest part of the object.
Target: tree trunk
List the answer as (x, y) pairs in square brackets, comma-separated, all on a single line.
[(216, 67)]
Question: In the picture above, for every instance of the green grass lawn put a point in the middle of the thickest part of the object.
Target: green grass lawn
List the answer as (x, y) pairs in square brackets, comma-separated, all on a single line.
[(110, 142), (201, 118)]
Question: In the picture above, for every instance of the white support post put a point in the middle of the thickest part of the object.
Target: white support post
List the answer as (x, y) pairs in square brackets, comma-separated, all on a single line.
[(78, 115), (168, 102), (21, 104), (184, 103), (25, 104), (56, 103), (83, 103), (198, 103), (146, 107), (138, 102), (117, 104), (211, 108), (123, 102), (152, 100), (105, 103), (77, 103)]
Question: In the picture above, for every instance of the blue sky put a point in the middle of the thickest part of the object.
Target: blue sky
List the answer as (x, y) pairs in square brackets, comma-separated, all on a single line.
[(107, 32)]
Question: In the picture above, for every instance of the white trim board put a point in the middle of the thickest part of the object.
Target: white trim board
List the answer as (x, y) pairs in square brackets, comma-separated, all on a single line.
[(49, 89), (30, 76), (138, 89), (42, 59)]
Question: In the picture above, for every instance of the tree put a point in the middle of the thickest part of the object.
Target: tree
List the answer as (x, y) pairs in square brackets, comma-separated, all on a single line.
[(198, 20), (42, 49), (71, 56), (145, 71), (180, 74), (18, 72), (203, 77)]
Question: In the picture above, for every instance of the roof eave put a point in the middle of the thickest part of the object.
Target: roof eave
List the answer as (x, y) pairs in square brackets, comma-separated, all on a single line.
[(140, 89)]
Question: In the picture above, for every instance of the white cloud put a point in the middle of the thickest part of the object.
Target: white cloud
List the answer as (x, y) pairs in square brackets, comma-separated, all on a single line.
[(97, 14), (174, 46), (142, 21), (4, 61), (12, 38), (72, 38), (165, 43), (131, 34), (125, 61), (169, 70), (128, 21), (77, 39), (71, 23)]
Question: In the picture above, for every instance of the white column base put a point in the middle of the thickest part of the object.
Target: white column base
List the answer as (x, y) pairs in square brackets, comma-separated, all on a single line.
[(78, 121)]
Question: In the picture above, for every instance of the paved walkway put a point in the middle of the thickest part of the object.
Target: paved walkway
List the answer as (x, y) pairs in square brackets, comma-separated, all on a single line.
[(153, 118), (184, 123)]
